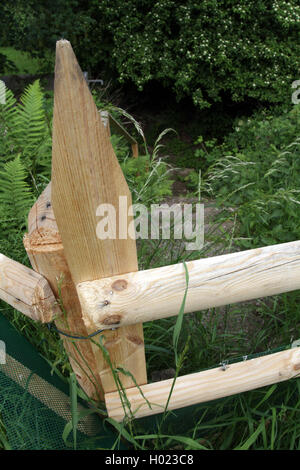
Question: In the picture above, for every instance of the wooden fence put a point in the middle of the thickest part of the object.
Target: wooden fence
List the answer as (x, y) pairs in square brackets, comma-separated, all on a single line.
[(86, 285)]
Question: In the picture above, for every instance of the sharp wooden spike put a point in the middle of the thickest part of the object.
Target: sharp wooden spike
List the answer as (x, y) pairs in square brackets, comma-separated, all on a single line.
[(85, 174)]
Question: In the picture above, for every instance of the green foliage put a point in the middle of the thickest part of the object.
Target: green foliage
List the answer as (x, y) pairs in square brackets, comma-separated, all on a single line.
[(15, 194), (259, 179), (31, 132), (35, 26), (18, 61), (148, 181), (208, 50), (5, 64), (203, 152), (147, 176), (25, 157), (24, 131), (246, 49)]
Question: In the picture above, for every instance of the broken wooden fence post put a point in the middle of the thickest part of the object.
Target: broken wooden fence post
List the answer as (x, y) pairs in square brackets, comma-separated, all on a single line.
[(95, 279), (86, 174), (46, 253)]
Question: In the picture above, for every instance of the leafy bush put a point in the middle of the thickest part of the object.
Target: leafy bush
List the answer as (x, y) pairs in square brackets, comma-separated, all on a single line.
[(259, 179), (248, 49), (25, 157), (5, 64), (35, 26), (207, 50), (18, 62)]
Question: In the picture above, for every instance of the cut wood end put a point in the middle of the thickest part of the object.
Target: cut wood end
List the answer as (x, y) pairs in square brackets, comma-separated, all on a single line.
[(45, 239), (27, 291), (66, 61), (44, 303), (63, 43)]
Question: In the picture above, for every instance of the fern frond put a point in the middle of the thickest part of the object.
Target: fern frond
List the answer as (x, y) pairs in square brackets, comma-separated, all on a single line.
[(8, 113), (24, 131), (8, 107), (15, 194), (30, 121)]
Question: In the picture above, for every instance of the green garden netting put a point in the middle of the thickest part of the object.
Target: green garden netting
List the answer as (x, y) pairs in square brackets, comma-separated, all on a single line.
[(35, 404)]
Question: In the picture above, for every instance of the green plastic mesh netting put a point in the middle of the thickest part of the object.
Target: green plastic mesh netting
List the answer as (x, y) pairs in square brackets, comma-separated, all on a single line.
[(35, 405)]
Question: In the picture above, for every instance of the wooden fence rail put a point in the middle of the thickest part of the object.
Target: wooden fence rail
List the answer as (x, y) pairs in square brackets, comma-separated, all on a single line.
[(27, 291), (156, 293), (205, 386)]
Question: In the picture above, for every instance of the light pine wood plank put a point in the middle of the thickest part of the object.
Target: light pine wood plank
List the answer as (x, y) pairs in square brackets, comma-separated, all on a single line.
[(206, 386), (85, 174), (157, 293), (27, 291)]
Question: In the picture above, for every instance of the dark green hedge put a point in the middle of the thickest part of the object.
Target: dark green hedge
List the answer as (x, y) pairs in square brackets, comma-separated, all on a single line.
[(204, 49)]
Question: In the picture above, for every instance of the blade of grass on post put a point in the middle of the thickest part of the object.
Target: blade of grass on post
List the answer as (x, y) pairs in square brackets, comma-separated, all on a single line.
[(178, 324)]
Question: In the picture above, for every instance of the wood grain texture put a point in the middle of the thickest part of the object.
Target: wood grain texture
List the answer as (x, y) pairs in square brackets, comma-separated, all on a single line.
[(46, 254), (27, 291), (157, 293), (85, 174), (207, 385)]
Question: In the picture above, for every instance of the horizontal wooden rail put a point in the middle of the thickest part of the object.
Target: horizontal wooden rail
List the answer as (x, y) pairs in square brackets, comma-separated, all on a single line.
[(27, 291), (206, 386), (142, 296)]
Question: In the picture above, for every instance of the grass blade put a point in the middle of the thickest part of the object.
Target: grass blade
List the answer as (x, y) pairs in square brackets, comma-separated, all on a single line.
[(178, 325)]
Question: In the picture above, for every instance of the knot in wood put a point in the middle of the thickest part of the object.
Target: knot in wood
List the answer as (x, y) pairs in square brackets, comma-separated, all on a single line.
[(119, 285)]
